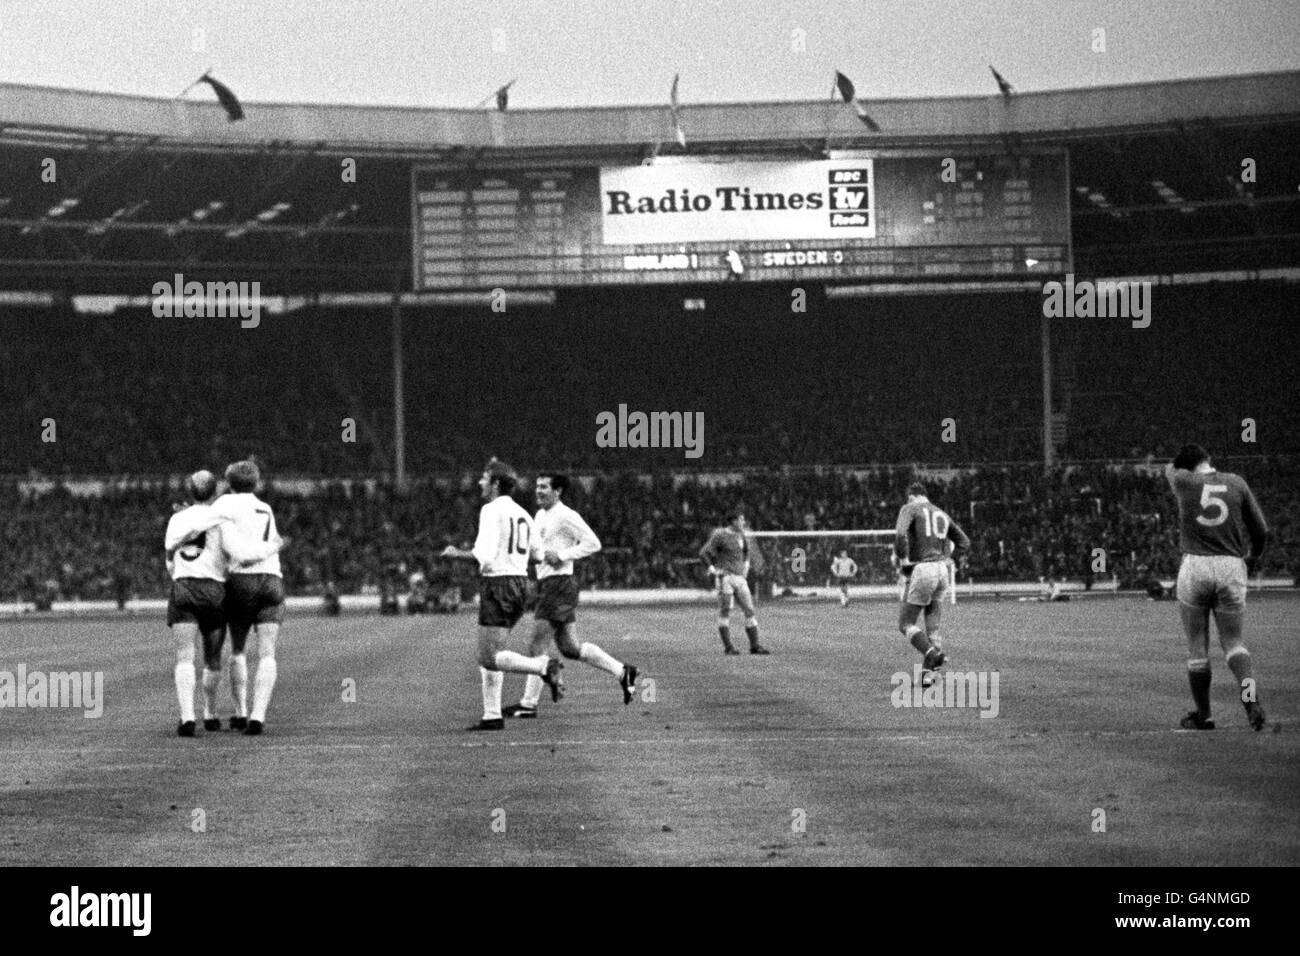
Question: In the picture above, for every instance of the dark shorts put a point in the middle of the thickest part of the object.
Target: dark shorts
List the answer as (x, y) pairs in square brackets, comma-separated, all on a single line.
[(254, 599), (501, 601), (557, 599), (197, 601)]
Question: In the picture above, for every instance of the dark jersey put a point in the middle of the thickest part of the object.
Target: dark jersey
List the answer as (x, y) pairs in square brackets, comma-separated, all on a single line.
[(726, 550), (923, 532), (1217, 514)]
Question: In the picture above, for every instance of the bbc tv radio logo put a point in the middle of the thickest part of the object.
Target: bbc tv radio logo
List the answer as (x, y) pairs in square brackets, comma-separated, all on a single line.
[(849, 198)]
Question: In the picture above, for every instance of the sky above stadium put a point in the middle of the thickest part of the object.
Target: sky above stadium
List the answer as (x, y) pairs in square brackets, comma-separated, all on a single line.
[(608, 52)]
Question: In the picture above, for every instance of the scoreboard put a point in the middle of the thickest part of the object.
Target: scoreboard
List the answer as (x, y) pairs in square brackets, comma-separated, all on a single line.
[(855, 216)]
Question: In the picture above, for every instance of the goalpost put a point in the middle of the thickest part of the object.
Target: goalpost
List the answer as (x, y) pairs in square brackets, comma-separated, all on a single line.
[(795, 560)]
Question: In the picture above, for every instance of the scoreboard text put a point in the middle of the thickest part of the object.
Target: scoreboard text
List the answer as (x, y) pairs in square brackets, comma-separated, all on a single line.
[(885, 217)]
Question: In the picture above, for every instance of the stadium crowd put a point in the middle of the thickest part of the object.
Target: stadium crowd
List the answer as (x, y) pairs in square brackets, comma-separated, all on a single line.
[(853, 381), (791, 402), (360, 537)]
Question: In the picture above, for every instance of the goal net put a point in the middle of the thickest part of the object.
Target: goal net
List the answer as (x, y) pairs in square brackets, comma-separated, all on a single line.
[(801, 561)]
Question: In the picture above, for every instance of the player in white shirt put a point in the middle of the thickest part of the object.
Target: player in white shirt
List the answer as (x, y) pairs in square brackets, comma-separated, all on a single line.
[(197, 566), (254, 591), (560, 537), (501, 548), (199, 559), (843, 568)]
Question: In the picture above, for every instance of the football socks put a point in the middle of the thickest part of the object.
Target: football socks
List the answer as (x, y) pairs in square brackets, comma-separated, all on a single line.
[(1198, 675), (239, 683), (519, 664), (532, 691), (593, 655), (185, 691), (263, 684), (492, 681), (211, 679), (1240, 664), (916, 637)]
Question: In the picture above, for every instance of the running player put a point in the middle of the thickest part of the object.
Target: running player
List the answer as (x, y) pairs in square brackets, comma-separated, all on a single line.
[(843, 568), (560, 537), (727, 554), (254, 591), (505, 533), (197, 567), (1222, 534), (921, 538)]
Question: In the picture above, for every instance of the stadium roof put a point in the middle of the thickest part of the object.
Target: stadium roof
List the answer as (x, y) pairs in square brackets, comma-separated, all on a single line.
[(35, 114), (148, 186)]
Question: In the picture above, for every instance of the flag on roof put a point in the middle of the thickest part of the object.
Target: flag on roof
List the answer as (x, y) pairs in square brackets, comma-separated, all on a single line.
[(674, 107), (845, 86), (503, 97), (1006, 88), (229, 101)]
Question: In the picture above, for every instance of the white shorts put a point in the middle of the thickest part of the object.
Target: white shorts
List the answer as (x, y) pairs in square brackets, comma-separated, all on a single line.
[(927, 583), (1215, 581), (735, 585)]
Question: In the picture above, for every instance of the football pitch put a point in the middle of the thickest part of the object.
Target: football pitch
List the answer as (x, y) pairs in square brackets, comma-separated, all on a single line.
[(797, 758)]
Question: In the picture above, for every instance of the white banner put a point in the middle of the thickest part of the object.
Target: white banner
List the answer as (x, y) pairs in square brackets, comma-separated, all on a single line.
[(705, 202)]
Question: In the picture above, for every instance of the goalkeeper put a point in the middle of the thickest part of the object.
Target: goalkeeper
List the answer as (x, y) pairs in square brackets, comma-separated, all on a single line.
[(727, 555)]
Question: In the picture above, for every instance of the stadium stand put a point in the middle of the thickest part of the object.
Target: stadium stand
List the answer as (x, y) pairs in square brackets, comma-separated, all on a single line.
[(363, 537), (135, 394)]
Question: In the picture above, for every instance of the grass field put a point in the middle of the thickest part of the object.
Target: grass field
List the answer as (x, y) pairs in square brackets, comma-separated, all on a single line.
[(714, 770)]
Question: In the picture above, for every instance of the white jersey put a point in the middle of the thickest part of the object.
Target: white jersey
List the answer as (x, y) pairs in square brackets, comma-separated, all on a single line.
[(248, 535), (505, 533), (561, 529), (194, 535), (844, 567)]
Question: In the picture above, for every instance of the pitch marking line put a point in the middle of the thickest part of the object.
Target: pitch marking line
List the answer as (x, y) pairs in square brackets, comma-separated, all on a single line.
[(656, 741)]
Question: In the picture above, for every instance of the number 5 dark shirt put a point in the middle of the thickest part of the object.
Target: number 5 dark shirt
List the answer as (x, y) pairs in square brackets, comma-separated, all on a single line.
[(1217, 513)]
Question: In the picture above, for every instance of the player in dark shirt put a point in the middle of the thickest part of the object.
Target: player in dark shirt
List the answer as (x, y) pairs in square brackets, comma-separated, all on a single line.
[(1222, 533), (922, 537), (727, 554)]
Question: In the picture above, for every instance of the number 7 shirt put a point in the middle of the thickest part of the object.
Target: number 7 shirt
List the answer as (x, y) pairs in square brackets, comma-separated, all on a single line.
[(1217, 513), (249, 533), (505, 531)]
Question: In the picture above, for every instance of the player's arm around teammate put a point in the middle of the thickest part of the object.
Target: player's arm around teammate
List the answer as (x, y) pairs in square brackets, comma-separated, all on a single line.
[(254, 591), (195, 607)]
